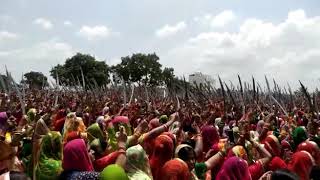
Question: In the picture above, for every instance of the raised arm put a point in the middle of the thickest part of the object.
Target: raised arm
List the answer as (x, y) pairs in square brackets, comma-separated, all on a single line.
[(163, 128), (199, 141)]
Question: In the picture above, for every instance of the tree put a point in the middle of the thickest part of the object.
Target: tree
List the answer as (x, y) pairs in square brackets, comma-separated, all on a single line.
[(35, 80), (168, 76), (140, 68), (79, 68)]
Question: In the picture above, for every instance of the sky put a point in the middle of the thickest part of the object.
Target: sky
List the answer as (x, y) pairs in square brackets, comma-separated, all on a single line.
[(280, 39)]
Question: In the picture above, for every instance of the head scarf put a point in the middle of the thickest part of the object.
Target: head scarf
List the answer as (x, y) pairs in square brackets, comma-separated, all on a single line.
[(138, 163), (73, 123), (120, 119), (105, 110), (312, 148), (124, 121), (100, 120), (277, 163), (272, 144), (238, 151), (162, 152), (301, 164), (154, 123), (163, 119), (113, 171), (299, 135), (172, 136), (31, 115), (260, 125), (234, 168), (181, 146), (49, 166), (175, 169), (210, 136), (72, 135), (76, 157), (94, 132)]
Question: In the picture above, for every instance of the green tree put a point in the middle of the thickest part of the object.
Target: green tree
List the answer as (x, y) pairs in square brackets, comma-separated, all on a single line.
[(168, 76), (35, 79), (140, 68), (82, 67)]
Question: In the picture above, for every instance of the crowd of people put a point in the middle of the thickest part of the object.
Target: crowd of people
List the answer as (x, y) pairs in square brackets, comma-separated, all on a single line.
[(87, 135)]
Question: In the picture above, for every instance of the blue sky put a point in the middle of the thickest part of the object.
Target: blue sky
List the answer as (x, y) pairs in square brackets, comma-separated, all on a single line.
[(249, 37)]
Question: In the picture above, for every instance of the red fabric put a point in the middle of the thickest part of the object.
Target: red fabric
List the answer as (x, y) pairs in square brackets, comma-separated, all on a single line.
[(154, 123), (58, 124), (120, 119), (277, 163), (312, 148), (271, 143), (72, 135), (301, 164), (234, 168), (163, 151), (60, 114), (103, 162), (256, 170), (175, 169), (210, 137), (285, 145), (76, 157), (171, 136)]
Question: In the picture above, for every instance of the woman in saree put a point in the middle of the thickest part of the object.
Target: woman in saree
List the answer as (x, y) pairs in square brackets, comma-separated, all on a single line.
[(73, 123), (96, 139), (299, 135), (137, 166), (162, 152), (41, 129), (49, 166), (234, 168), (210, 137), (301, 164), (76, 162), (312, 148), (175, 169)]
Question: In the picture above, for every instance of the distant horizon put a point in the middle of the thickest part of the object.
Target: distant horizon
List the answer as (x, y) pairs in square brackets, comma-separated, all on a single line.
[(226, 38)]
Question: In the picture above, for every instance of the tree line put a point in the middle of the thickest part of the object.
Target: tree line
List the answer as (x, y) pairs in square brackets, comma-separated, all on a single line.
[(86, 71)]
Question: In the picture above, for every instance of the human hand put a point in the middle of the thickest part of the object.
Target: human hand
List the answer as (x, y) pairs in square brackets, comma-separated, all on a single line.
[(121, 137)]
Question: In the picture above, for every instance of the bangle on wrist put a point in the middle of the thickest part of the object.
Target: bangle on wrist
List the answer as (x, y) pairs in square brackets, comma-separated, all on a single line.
[(222, 154), (121, 148), (198, 136), (123, 151)]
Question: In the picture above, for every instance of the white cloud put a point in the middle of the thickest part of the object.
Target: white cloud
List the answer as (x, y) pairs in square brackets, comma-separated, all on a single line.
[(67, 23), (48, 54), (44, 23), (169, 30), (6, 19), (220, 20), (5, 35), (95, 32), (287, 51)]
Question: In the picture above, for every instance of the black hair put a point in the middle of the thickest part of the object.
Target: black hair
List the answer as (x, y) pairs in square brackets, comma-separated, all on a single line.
[(184, 153), (315, 173), (190, 142), (284, 174), (18, 176)]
